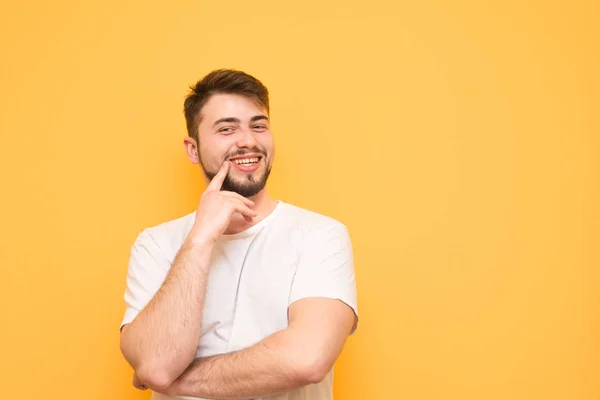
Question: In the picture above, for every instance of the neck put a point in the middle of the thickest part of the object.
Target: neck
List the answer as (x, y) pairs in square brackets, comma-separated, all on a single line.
[(264, 205)]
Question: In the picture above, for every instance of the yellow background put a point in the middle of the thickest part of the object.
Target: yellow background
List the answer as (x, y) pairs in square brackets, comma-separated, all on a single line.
[(458, 141)]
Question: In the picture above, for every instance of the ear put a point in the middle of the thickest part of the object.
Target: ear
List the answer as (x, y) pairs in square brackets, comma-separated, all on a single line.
[(191, 148)]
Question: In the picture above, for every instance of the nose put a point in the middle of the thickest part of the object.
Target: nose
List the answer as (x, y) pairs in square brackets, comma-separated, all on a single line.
[(246, 139)]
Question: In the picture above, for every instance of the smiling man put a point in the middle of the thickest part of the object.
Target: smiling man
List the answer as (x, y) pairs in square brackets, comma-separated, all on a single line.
[(247, 297)]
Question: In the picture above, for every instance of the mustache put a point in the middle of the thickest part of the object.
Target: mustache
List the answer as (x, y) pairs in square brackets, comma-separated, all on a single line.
[(242, 152)]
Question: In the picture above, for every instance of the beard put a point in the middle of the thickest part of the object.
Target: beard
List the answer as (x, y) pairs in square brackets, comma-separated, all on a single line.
[(247, 186)]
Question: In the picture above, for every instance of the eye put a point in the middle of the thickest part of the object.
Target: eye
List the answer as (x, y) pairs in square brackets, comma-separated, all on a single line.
[(259, 127), (226, 130)]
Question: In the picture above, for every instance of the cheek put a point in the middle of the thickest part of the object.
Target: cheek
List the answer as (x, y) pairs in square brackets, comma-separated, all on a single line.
[(267, 143), (214, 151)]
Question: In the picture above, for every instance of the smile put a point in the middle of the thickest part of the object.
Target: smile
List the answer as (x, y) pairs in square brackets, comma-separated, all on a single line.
[(246, 161)]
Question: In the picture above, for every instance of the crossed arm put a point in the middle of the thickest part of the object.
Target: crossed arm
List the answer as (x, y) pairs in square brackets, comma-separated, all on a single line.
[(160, 343), (294, 357)]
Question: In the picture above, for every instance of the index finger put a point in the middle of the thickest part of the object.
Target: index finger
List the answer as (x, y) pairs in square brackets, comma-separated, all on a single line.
[(216, 182)]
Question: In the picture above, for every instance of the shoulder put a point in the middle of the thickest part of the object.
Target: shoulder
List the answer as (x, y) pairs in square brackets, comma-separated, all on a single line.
[(312, 224), (307, 218), (167, 236)]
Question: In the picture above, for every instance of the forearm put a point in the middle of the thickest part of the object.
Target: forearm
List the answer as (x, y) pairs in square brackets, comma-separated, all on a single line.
[(278, 364), (161, 342)]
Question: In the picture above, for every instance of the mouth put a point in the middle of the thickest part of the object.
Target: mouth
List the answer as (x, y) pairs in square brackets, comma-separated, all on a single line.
[(247, 162)]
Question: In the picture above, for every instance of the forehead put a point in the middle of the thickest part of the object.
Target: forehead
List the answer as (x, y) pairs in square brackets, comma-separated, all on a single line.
[(230, 105)]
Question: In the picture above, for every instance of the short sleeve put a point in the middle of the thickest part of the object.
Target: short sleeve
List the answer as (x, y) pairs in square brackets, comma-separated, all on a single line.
[(326, 268), (146, 272)]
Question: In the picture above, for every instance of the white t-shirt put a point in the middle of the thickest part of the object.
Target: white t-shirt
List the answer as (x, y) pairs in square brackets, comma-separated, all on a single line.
[(255, 275)]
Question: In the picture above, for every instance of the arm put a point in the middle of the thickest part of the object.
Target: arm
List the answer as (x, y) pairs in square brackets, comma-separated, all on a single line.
[(297, 356), (161, 341)]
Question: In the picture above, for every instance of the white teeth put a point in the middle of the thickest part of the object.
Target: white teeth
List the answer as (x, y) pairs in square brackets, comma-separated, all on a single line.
[(246, 160)]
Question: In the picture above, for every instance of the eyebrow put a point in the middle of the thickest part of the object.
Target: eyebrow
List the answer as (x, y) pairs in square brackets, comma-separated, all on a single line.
[(237, 121), (229, 119), (258, 118)]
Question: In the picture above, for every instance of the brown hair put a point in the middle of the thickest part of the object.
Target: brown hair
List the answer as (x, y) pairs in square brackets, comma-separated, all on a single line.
[(221, 81)]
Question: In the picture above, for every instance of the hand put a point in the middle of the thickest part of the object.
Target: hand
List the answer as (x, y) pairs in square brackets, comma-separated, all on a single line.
[(137, 383), (217, 207)]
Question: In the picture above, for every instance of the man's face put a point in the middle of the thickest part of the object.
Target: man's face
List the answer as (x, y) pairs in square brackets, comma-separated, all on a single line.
[(236, 129)]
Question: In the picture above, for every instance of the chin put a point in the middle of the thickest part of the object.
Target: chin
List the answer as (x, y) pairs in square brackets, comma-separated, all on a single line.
[(247, 191)]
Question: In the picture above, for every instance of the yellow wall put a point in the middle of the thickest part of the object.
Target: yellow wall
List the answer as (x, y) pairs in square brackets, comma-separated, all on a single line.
[(458, 140)]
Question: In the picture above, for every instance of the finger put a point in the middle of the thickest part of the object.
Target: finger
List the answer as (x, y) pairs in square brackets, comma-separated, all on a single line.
[(246, 212), (216, 182), (237, 196), (243, 209)]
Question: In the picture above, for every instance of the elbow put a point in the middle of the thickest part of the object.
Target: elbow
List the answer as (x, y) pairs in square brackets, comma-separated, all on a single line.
[(150, 371), (314, 370), (155, 378), (316, 374)]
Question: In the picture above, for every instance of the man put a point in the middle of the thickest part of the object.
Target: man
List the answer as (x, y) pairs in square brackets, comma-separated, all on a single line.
[(247, 296)]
